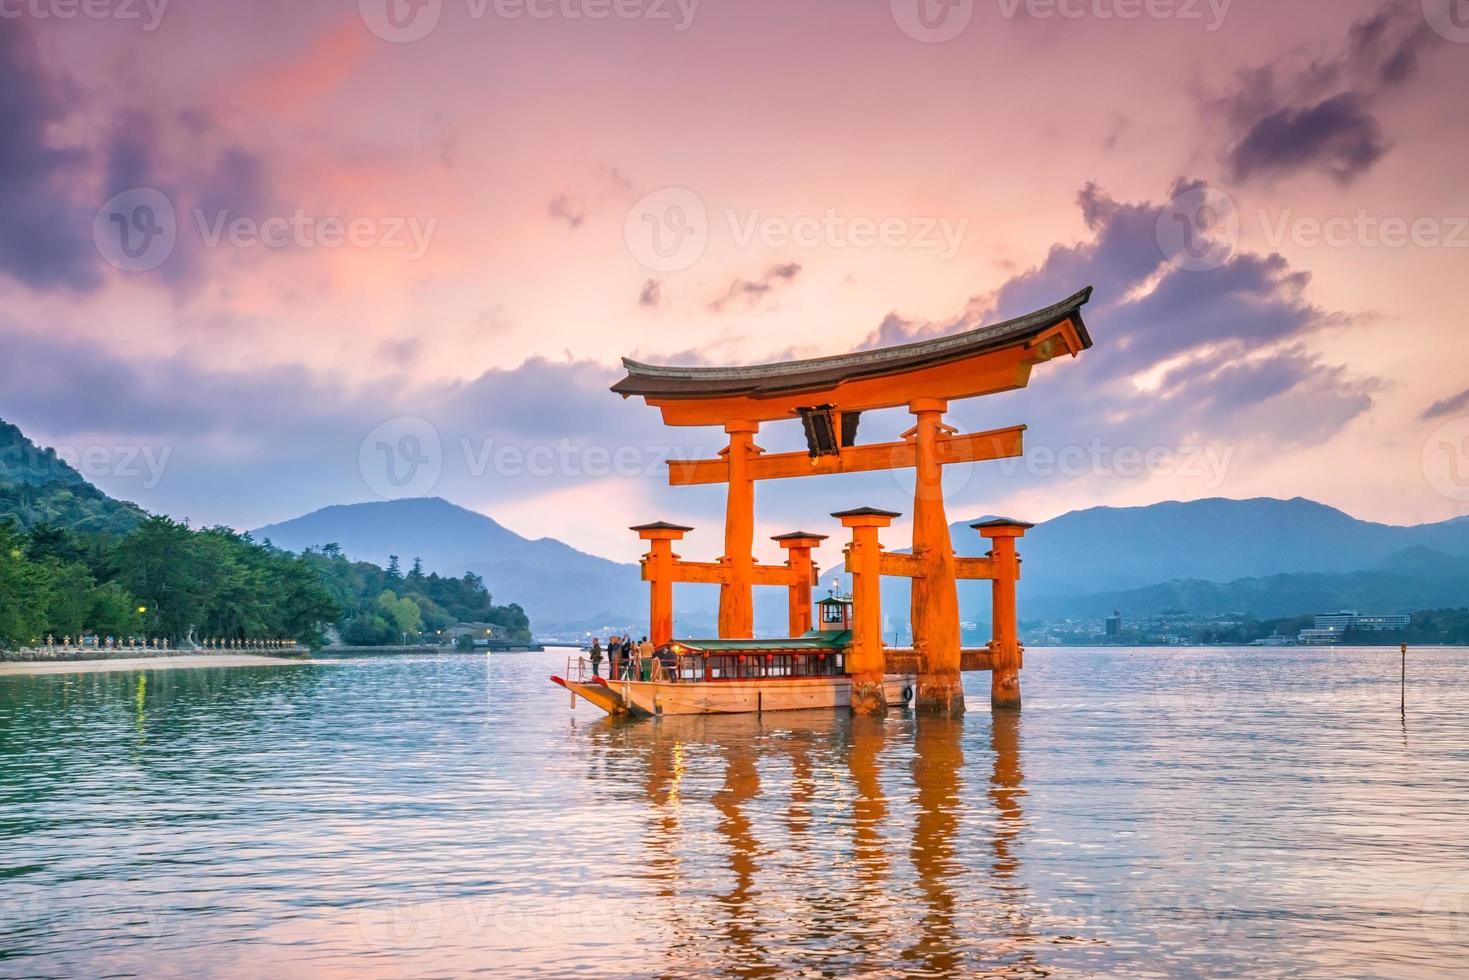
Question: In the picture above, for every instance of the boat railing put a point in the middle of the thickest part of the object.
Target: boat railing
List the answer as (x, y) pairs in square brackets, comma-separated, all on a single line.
[(578, 669), (667, 668)]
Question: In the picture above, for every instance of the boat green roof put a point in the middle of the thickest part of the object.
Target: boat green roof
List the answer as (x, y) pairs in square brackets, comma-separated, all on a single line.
[(815, 641)]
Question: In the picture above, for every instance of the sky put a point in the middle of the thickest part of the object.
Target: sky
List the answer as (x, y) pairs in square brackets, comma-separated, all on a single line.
[(257, 259)]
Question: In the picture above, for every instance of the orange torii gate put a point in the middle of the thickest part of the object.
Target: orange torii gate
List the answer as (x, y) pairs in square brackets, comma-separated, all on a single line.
[(829, 395)]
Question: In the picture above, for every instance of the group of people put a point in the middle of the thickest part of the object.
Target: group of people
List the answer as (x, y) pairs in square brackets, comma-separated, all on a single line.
[(623, 655)]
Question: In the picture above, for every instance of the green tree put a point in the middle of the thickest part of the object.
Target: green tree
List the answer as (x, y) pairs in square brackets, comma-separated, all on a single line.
[(70, 595), (114, 611), (403, 612), (23, 592), (161, 565)]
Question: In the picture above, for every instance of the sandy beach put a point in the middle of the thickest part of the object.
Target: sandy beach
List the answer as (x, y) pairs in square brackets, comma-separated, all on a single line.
[(145, 663)]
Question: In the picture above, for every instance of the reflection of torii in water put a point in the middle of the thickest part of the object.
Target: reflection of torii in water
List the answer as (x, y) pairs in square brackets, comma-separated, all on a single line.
[(937, 770), (939, 757), (734, 934)]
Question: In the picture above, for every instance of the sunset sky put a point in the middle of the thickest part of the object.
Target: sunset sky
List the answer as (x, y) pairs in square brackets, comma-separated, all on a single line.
[(253, 254)]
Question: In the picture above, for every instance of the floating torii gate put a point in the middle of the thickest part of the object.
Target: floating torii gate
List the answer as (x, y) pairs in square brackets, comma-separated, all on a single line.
[(828, 395)]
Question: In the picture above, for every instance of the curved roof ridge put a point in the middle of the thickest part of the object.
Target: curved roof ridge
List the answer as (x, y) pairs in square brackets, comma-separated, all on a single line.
[(914, 351)]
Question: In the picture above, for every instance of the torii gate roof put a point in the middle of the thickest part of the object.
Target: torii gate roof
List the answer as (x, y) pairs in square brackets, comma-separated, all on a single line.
[(664, 384)]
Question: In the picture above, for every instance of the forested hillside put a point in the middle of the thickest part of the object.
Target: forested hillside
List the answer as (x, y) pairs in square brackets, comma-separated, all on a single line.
[(37, 487), (73, 559)]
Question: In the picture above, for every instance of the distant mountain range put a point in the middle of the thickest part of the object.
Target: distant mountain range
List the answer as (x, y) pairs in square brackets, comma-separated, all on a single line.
[(1407, 581), (553, 582), (1264, 556), (1214, 540)]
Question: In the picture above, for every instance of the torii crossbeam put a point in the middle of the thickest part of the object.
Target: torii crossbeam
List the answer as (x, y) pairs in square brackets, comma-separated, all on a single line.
[(828, 395)]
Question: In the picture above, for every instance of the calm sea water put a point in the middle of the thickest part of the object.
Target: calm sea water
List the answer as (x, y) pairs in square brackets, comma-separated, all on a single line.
[(1182, 812)]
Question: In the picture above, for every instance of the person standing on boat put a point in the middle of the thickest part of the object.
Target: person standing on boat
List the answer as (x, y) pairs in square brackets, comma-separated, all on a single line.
[(614, 657), (645, 654), (596, 656)]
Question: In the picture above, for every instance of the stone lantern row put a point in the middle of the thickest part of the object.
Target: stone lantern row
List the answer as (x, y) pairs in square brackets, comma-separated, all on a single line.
[(157, 643)]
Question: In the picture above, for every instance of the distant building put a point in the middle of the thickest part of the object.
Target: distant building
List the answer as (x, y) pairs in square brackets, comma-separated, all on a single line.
[(1330, 626), (1348, 620), (479, 634), (1114, 624), (1274, 640)]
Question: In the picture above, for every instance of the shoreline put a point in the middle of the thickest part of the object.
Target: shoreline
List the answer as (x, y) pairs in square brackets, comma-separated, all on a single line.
[(33, 668)]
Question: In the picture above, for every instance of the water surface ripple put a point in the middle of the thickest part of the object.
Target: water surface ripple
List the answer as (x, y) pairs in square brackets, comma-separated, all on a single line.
[(1182, 812)]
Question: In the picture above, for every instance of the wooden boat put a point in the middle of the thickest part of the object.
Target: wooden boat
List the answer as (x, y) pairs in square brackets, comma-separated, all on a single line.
[(705, 677)]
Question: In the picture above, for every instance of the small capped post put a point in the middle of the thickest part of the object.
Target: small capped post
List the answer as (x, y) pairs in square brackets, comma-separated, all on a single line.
[(658, 573), (1002, 533), (798, 546), (865, 660)]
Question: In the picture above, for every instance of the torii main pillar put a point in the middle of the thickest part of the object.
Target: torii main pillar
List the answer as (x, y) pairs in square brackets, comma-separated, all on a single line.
[(736, 593), (935, 604)]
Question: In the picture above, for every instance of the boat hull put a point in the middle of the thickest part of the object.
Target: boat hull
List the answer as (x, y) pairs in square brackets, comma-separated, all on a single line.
[(655, 699)]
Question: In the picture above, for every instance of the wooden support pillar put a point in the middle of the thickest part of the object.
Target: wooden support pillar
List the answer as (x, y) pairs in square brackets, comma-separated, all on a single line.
[(799, 545), (865, 660), (736, 594), (935, 605), (1005, 636), (658, 572)]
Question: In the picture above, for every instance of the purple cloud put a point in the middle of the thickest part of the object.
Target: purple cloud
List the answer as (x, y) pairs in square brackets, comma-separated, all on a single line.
[(652, 293), (1320, 117), (45, 235), (752, 291)]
